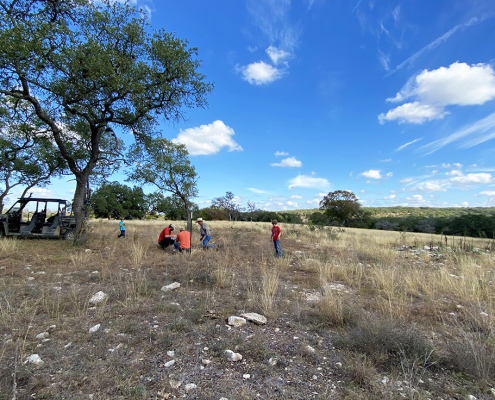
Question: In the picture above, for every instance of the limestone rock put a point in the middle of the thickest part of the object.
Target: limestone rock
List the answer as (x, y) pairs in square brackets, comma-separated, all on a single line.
[(94, 329), (190, 386), (231, 356), (236, 321), (34, 359), (98, 297), (258, 319), (170, 287), (42, 335)]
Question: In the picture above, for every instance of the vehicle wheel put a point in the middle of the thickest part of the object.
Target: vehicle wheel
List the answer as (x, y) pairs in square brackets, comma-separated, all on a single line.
[(70, 234)]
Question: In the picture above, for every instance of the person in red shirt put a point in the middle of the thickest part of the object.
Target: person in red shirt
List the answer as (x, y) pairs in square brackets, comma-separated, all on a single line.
[(166, 238), (184, 240), (276, 232)]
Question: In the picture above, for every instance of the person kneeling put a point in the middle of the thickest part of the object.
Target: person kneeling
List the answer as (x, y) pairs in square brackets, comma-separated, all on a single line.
[(184, 240), (166, 238)]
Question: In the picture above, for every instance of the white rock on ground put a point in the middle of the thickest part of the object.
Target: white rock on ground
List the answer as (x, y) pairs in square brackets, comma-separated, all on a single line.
[(190, 386), (169, 363), (205, 361), (42, 335), (34, 359), (94, 329), (246, 376), (174, 383), (172, 286), (236, 321), (258, 319), (233, 356), (98, 297), (272, 361)]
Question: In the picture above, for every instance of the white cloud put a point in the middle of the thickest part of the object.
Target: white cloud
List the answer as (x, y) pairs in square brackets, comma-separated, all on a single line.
[(438, 41), (208, 139), (260, 73), (315, 202), (389, 174), (288, 162), (489, 193), (415, 113), (416, 198), (406, 180), (281, 153), (320, 194), (372, 174), (482, 128), (387, 160), (459, 84), (292, 203), (392, 196), (277, 55), (256, 190), (471, 179), (407, 144), (305, 181), (296, 197), (430, 186), (252, 49)]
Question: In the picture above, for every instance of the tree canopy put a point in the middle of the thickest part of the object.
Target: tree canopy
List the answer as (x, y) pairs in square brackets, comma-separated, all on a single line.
[(341, 206), (95, 68)]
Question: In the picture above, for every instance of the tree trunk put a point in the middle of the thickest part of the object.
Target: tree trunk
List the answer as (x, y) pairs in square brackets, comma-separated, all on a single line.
[(78, 208)]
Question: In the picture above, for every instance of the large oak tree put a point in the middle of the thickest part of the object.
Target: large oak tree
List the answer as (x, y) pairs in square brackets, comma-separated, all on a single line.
[(97, 68)]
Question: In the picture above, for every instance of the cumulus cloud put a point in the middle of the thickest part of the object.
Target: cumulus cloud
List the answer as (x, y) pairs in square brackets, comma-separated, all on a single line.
[(288, 162), (406, 180), (254, 190), (321, 194), (306, 181), (414, 113), (392, 196), (471, 179), (416, 198), (372, 174), (315, 202), (260, 73), (281, 153), (277, 55), (489, 193), (430, 186), (292, 203), (296, 197), (208, 139), (459, 84)]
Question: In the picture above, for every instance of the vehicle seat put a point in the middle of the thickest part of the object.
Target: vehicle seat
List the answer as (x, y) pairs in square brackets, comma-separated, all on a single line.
[(31, 225)]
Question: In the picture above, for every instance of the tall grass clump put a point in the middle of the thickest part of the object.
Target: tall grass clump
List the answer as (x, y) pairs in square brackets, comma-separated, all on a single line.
[(269, 286), (138, 252), (9, 246)]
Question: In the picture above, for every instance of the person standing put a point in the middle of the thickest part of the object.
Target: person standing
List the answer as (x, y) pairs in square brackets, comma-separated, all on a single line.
[(166, 238), (276, 232), (184, 240), (122, 228), (205, 235)]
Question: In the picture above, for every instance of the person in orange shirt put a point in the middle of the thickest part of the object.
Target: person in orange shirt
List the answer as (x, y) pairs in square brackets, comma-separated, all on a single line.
[(184, 240)]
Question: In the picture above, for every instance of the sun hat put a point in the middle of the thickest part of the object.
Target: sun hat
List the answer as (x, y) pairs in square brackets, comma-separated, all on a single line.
[(172, 226), (199, 219), (182, 229)]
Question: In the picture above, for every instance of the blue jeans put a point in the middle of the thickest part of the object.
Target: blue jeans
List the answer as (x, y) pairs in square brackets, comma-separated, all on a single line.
[(278, 250), (205, 243)]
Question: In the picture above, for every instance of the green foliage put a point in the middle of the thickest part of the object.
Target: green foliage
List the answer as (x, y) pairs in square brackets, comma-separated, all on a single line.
[(96, 68), (118, 201), (340, 206)]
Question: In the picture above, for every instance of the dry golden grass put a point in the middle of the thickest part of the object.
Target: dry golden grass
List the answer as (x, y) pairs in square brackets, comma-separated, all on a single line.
[(327, 281)]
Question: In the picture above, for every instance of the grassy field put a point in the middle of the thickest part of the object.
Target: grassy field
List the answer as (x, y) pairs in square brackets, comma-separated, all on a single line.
[(353, 314)]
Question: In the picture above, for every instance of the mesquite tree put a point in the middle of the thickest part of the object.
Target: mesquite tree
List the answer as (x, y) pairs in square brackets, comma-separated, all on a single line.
[(96, 67), (165, 165)]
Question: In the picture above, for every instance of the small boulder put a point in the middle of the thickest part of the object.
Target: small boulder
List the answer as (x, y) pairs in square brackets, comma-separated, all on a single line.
[(258, 319), (170, 287), (231, 356), (190, 386), (42, 335), (34, 359), (94, 329), (98, 297), (236, 321)]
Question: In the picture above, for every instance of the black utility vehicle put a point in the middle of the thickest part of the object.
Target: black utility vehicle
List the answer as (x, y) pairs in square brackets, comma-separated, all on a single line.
[(51, 218)]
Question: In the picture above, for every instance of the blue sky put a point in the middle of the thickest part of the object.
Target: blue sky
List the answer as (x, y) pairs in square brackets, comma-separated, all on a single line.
[(393, 100)]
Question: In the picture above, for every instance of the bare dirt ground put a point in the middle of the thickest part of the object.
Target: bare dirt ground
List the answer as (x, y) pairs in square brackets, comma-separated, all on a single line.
[(351, 314)]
